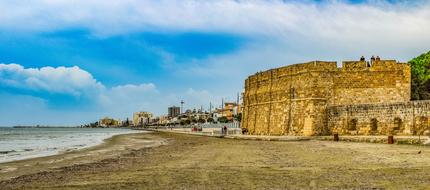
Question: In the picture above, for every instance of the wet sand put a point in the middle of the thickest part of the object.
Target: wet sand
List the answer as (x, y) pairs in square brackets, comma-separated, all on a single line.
[(178, 161), (111, 148)]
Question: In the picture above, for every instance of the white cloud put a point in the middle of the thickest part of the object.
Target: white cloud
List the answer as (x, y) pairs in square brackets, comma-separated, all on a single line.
[(334, 20), (68, 80), (195, 98), (130, 88), (305, 30), (129, 98), (282, 33), (117, 101), (63, 80), (199, 96)]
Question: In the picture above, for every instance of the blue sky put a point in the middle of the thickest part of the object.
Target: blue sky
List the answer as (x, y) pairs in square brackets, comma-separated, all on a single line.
[(69, 63)]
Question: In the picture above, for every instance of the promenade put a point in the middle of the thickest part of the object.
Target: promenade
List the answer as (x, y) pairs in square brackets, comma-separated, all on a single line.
[(236, 133)]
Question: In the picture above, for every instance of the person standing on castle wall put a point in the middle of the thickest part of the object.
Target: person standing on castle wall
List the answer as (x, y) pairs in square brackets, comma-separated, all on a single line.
[(362, 59)]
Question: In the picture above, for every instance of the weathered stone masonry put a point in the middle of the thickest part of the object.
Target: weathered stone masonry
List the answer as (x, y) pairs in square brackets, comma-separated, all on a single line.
[(318, 98), (409, 118)]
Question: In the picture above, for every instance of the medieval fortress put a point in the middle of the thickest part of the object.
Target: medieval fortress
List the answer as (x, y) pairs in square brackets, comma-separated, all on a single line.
[(318, 98)]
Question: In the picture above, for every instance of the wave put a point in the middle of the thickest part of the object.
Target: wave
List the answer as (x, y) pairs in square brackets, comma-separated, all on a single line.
[(7, 151)]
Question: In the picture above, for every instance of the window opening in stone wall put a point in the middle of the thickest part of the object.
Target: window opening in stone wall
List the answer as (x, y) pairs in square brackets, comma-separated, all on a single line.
[(374, 124), (397, 124), (352, 125)]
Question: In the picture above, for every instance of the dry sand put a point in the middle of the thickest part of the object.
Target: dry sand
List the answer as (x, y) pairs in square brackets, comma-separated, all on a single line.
[(197, 162)]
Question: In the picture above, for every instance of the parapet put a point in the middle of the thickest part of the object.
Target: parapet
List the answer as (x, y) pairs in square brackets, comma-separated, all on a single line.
[(354, 65), (374, 65), (329, 66), (384, 65), (308, 67), (313, 66)]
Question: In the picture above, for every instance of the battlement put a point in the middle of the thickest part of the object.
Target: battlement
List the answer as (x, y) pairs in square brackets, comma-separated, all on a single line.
[(313, 66), (329, 66), (376, 65)]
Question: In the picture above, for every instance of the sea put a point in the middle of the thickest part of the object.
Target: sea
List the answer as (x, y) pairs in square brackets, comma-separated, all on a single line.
[(24, 143)]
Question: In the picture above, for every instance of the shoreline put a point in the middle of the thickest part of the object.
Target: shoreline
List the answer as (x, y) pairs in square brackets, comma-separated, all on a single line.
[(30, 152), (109, 148), (183, 161)]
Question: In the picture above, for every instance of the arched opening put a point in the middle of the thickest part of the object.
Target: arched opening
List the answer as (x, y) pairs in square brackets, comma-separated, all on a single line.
[(397, 123), (398, 126), (352, 125), (373, 124)]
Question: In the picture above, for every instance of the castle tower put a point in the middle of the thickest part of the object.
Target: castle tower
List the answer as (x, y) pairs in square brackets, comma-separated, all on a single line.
[(293, 100)]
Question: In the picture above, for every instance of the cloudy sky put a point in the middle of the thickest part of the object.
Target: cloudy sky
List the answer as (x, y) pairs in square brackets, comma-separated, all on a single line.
[(69, 62)]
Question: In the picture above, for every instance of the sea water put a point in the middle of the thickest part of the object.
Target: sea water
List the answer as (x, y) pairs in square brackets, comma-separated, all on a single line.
[(24, 143)]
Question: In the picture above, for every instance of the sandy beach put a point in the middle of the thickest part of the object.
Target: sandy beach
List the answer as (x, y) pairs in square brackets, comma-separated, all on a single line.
[(179, 161)]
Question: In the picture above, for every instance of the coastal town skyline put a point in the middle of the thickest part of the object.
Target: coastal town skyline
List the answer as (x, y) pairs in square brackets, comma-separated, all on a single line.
[(71, 66)]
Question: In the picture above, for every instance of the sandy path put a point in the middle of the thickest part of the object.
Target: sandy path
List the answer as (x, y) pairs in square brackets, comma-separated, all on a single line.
[(195, 162)]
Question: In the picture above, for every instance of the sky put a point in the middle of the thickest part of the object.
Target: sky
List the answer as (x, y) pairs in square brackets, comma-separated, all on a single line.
[(70, 62)]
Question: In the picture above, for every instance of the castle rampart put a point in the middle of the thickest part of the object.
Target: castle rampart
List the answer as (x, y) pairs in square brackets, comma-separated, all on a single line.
[(294, 100), (408, 118)]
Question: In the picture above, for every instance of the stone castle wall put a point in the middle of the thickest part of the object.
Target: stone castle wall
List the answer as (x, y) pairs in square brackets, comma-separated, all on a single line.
[(408, 118), (383, 82), (293, 100)]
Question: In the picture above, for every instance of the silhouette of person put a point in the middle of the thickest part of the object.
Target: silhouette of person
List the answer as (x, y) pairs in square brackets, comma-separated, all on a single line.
[(378, 58)]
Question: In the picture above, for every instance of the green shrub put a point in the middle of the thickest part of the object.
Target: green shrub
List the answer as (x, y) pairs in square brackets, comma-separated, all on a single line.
[(420, 77)]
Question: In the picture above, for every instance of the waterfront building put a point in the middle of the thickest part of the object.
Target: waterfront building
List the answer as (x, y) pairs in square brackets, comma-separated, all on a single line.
[(159, 120), (142, 118), (230, 110), (173, 111), (109, 122)]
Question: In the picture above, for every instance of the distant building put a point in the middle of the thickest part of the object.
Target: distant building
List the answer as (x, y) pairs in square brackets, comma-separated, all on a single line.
[(230, 110), (141, 118), (216, 114), (173, 111), (109, 122), (161, 120)]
